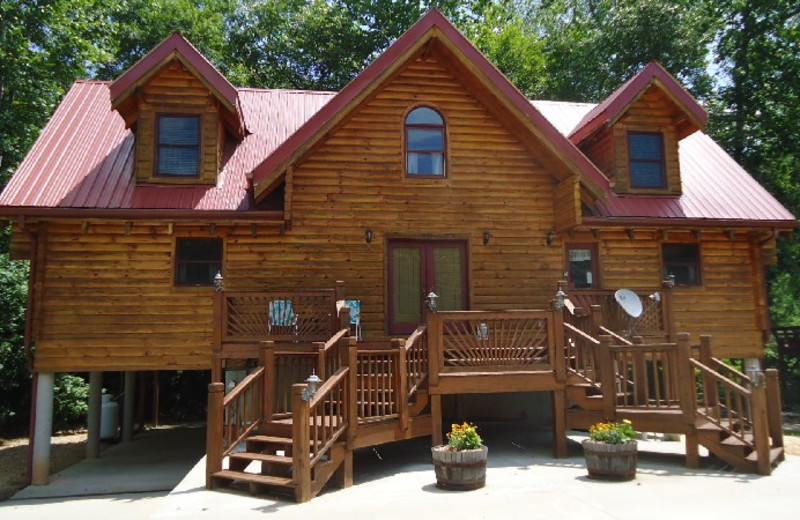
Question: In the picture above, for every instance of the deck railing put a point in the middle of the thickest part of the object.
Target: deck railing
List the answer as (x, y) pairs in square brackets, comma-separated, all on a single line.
[(318, 423), (233, 417), (656, 319), (474, 340), (377, 388), (289, 366), (746, 408), (245, 319)]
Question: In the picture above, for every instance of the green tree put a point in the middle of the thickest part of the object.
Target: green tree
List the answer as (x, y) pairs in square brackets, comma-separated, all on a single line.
[(15, 380), (755, 114), (593, 46), (44, 46)]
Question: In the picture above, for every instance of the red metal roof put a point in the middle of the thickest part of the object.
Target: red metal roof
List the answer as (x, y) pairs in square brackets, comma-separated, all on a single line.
[(84, 156), (151, 62), (83, 159), (715, 187), (611, 107)]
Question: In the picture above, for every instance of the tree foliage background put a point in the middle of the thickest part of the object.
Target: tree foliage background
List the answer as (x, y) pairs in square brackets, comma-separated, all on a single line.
[(741, 58)]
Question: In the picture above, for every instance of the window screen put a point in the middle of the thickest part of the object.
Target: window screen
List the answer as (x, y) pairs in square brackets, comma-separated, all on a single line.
[(179, 145), (646, 153)]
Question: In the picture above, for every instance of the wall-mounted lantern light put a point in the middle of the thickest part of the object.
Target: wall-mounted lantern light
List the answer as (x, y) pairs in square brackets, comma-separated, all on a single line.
[(431, 301), (550, 237), (558, 303), (368, 236), (486, 237), (313, 382), (219, 282)]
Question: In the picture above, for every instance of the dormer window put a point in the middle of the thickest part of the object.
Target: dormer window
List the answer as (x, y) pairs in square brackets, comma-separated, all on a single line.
[(646, 159), (425, 143), (178, 146)]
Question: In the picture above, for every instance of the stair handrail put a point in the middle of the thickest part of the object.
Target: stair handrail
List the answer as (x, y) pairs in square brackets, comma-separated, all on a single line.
[(416, 357), (609, 332), (319, 421), (572, 351), (328, 357), (232, 417), (740, 416)]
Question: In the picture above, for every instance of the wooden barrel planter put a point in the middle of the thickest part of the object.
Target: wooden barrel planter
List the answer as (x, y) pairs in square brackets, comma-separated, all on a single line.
[(460, 470), (610, 461)]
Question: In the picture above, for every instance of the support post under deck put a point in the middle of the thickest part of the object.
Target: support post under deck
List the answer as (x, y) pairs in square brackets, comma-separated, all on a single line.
[(43, 430), (93, 416)]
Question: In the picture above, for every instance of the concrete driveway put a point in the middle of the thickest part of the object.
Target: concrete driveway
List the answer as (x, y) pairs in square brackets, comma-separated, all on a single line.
[(397, 481)]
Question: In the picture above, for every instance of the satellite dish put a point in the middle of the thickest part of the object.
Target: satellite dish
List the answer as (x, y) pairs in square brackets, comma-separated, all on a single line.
[(630, 302)]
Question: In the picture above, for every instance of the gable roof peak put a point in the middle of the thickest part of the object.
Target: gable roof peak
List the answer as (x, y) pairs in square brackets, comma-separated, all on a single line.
[(615, 105), (432, 25), (175, 46)]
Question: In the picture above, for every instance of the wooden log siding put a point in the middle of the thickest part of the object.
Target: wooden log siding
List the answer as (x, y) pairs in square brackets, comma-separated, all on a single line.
[(724, 305), (356, 181), (108, 301)]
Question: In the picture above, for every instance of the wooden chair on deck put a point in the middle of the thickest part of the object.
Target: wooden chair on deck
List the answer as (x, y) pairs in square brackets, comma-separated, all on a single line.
[(281, 317)]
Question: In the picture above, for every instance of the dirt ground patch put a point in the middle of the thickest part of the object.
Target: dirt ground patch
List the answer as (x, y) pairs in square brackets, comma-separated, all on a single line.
[(66, 450)]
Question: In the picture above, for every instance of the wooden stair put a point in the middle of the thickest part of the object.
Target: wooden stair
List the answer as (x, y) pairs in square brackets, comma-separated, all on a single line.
[(264, 467), (731, 449)]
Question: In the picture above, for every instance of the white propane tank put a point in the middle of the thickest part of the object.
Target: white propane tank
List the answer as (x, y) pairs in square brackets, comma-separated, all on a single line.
[(109, 418)]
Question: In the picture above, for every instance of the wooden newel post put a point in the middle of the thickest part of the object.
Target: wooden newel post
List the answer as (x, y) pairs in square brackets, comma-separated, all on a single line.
[(761, 425), (216, 394), (597, 319), (608, 378), (301, 452), (352, 391), (668, 316), (558, 351), (402, 382), (320, 347), (339, 295), (435, 366), (344, 318), (687, 391), (774, 411), (268, 391), (219, 316)]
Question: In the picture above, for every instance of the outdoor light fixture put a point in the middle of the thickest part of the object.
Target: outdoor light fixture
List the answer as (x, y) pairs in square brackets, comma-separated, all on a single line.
[(486, 237), (431, 300), (550, 237), (558, 304), (219, 282), (368, 236), (670, 283), (313, 382)]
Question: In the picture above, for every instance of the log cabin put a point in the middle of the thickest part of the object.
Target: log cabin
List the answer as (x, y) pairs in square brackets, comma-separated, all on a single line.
[(426, 232)]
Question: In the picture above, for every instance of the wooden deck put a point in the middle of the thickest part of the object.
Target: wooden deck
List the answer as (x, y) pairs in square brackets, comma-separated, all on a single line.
[(378, 392)]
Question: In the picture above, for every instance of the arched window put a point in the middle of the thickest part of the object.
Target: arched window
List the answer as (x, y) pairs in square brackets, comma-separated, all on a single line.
[(425, 142)]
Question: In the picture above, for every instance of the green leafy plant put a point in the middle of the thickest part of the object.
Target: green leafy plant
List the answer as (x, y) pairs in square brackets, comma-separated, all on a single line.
[(612, 432), (464, 437)]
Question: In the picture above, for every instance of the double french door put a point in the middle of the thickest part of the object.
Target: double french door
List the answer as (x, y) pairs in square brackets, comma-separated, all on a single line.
[(417, 267)]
